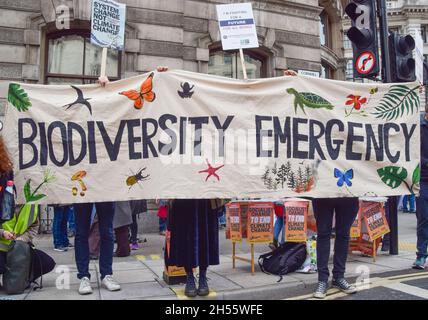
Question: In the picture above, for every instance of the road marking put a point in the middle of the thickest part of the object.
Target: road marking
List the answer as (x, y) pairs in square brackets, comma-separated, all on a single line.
[(414, 291), (155, 257), (334, 293), (180, 294), (140, 257)]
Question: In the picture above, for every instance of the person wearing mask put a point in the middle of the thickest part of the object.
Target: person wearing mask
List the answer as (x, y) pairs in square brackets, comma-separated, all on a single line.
[(422, 200)]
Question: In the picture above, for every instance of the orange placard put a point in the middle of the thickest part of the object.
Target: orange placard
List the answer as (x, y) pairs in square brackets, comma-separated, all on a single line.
[(233, 211), (374, 218), (260, 222), (243, 214), (355, 231), (295, 222)]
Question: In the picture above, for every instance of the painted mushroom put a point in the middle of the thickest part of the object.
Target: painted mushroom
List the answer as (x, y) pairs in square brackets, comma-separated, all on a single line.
[(78, 176)]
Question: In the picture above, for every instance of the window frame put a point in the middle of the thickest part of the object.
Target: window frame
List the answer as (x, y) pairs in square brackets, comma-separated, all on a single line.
[(252, 53), (86, 34)]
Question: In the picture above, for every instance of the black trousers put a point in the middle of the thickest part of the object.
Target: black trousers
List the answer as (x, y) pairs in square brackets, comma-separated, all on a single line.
[(346, 210), (42, 264)]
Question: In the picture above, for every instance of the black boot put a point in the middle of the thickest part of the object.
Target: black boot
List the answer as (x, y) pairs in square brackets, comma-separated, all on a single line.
[(203, 289), (190, 289)]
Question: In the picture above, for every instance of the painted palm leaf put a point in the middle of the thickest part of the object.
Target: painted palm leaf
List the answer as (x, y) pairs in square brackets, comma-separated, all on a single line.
[(18, 97), (400, 99), (392, 176)]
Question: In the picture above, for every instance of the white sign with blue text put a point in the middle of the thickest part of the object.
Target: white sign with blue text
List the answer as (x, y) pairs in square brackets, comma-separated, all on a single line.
[(237, 26), (108, 24)]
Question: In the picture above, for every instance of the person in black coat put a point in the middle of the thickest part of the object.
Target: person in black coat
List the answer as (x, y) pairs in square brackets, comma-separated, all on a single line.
[(193, 224)]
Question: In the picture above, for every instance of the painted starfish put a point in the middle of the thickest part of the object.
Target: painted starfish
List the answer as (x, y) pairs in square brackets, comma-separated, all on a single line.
[(211, 171)]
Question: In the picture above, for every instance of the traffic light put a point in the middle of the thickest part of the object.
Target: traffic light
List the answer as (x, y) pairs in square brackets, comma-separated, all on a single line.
[(363, 35), (401, 55)]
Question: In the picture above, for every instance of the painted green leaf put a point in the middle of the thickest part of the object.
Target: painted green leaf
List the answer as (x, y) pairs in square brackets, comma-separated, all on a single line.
[(399, 100), (37, 197), (18, 97), (27, 191), (392, 176), (416, 175)]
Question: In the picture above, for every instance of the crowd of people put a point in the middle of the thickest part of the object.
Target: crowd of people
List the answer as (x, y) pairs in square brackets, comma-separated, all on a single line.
[(193, 225)]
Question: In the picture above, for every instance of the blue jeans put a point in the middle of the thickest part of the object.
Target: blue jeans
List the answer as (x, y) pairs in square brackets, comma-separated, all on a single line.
[(409, 199), (70, 218), (105, 213), (222, 219), (162, 224), (422, 226), (59, 227), (277, 227)]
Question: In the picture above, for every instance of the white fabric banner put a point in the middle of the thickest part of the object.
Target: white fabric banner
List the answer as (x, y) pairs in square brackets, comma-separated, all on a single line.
[(179, 134)]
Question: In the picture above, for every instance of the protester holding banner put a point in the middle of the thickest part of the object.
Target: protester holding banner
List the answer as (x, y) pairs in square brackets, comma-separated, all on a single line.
[(422, 200)]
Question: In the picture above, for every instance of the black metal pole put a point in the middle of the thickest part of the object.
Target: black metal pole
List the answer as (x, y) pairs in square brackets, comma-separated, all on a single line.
[(383, 33), (387, 78)]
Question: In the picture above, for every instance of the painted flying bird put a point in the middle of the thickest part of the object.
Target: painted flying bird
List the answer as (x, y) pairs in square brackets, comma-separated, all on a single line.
[(80, 100)]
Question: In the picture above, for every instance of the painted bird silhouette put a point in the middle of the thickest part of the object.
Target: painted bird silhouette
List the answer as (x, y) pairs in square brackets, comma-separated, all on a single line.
[(80, 100)]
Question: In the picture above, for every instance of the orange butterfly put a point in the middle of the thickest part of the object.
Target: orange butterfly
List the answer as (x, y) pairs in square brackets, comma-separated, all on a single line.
[(145, 93)]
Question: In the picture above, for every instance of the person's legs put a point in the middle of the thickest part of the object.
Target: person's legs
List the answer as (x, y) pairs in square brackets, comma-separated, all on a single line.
[(422, 227), (412, 208), (406, 204), (134, 230), (203, 289), (122, 240), (162, 225), (71, 223), (346, 211), (64, 231), (83, 220), (2, 262), (190, 288), (105, 213), (57, 227), (323, 211), (277, 227)]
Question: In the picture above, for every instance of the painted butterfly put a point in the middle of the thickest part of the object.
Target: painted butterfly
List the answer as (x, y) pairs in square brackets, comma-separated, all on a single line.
[(145, 93), (344, 177)]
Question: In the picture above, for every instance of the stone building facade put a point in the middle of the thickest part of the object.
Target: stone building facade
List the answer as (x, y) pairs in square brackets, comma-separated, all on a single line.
[(46, 41)]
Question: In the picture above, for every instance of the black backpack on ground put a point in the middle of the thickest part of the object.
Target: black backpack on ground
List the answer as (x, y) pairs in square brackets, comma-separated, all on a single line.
[(288, 257)]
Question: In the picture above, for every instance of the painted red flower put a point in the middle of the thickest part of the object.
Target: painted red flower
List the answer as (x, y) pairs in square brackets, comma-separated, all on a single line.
[(356, 101)]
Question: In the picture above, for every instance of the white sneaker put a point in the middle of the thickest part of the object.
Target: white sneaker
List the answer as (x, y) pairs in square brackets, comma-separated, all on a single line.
[(110, 284), (85, 286)]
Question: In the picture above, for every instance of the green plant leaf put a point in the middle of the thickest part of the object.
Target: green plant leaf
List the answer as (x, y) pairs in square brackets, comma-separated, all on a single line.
[(18, 97), (392, 176), (399, 100), (27, 190), (37, 197), (416, 175)]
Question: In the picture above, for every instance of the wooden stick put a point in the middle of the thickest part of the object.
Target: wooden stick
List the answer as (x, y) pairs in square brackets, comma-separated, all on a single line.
[(233, 255), (252, 259), (244, 69), (103, 62)]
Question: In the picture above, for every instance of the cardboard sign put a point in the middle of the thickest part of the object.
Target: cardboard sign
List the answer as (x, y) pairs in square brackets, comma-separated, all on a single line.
[(374, 219), (295, 222), (108, 24), (233, 212), (237, 26), (355, 231), (260, 222)]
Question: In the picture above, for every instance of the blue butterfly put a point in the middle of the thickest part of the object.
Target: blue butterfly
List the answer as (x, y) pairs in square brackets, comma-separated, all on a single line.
[(344, 177)]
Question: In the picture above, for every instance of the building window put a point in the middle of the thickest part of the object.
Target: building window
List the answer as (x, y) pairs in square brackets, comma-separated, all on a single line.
[(227, 64), (347, 44), (71, 58), (349, 70), (424, 33), (324, 30), (326, 71)]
